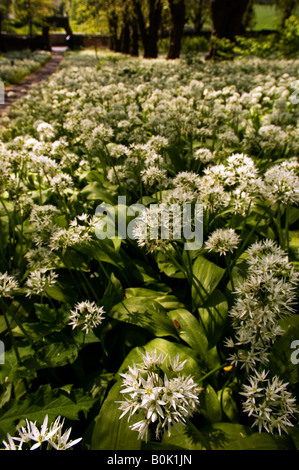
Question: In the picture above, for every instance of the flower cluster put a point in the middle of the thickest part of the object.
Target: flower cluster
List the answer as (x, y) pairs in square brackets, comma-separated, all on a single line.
[(223, 241), (269, 403), (8, 285), (46, 437), (39, 281), (266, 295), (164, 398), (86, 316)]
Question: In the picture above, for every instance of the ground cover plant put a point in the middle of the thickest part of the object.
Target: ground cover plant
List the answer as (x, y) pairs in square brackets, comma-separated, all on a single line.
[(15, 65), (135, 340)]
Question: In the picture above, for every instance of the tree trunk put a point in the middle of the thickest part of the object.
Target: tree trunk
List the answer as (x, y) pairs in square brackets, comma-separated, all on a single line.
[(149, 34), (125, 38), (198, 16), (227, 18), (113, 23), (155, 18), (178, 12), (134, 46)]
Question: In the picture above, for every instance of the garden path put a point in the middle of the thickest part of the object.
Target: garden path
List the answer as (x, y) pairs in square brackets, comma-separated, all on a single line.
[(14, 92)]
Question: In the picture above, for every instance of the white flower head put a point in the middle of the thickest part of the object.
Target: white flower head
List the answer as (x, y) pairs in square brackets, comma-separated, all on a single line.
[(8, 285), (86, 315), (223, 241)]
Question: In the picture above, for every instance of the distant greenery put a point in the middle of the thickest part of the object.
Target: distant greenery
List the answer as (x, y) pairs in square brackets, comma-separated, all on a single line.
[(266, 17), (274, 45)]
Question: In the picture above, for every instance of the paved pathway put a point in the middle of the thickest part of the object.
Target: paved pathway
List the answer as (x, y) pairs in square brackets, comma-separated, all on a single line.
[(22, 88)]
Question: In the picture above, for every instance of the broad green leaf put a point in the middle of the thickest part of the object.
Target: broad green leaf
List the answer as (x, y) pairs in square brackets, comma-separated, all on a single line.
[(34, 331), (144, 292), (262, 441), (110, 432), (159, 446), (44, 401), (11, 363), (209, 405), (162, 297), (167, 266), (57, 354), (96, 192), (206, 277), (294, 243), (113, 293), (212, 316), (146, 313), (59, 293), (221, 436), (228, 404), (189, 330), (45, 313), (184, 437), (102, 251)]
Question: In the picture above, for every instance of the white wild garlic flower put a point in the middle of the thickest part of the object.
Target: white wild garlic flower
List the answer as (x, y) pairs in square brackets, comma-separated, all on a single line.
[(269, 403), (223, 241), (39, 281), (156, 390), (44, 438), (86, 315), (8, 285)]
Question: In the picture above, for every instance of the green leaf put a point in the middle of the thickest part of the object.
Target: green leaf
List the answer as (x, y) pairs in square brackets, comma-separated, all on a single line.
[(113, 293), (102, 251), (57, 354), (223, 436), (44, 401), (146, 313), (189, 330), (206, 277), (209, 405), (110, 432), (10, 367), (228, 404), (294, 243), (184, 437), (262, 441), (45, 313), (213, 315), (59, 293), (168, 267), (166, 300), (96, 192)]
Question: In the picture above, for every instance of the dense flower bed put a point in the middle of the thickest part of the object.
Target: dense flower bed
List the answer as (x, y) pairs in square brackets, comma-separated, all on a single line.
[(149, 341), (15, 65)]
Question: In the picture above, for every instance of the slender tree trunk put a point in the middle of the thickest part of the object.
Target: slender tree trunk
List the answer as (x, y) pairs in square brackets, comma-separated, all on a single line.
[(149, 34), (178, 19), (125, 38), (198, 18), (227, 18), (134, 42), (155, 18), (113, 23)]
